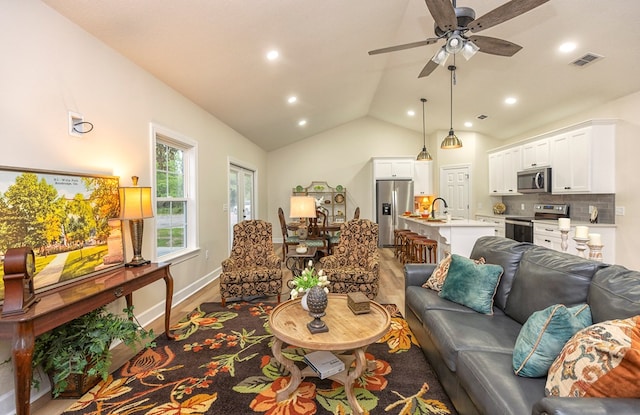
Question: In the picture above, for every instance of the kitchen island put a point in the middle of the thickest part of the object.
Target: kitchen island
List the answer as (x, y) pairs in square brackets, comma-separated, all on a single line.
[(456, 236)]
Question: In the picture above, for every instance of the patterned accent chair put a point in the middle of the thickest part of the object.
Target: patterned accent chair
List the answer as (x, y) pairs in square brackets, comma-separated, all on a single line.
[(354, 264), (253, 267)]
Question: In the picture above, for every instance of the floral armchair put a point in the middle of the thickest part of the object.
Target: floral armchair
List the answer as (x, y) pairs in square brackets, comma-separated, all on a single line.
[(253, 267), (354, 264)]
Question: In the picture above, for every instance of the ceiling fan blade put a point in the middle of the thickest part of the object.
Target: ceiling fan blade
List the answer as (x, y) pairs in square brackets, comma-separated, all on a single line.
[(428, 68), (495, 46), (429, 41), (503, 13), (443, 13)]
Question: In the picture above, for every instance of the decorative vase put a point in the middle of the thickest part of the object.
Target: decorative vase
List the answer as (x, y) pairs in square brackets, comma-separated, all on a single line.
[(317, 301), (303, 301)]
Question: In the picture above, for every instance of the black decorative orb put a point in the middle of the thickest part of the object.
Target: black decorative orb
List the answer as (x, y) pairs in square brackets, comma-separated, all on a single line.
[(317, 302)]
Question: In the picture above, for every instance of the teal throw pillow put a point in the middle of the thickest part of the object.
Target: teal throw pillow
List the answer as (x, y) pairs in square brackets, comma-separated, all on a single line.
[(471, 284), (543, 336)]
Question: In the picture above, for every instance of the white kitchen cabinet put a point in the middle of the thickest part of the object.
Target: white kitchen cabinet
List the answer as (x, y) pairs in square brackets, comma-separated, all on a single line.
[(583, 160), (503, 171), (496, 220), (547, 234), (423, 178), (536, 154), (393, 169)]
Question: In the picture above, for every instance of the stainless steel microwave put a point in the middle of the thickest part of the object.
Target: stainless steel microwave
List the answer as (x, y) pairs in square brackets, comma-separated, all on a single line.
[(535, 181)]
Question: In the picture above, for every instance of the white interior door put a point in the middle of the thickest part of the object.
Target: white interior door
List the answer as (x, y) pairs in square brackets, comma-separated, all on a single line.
[(454, 188), (241, 196)]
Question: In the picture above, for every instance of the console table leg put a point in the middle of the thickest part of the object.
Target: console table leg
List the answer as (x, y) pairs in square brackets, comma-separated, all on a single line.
[(168, 279), (21, 354)]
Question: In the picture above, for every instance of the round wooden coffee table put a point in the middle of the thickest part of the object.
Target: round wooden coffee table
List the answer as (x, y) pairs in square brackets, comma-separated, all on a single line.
[(348, 332)]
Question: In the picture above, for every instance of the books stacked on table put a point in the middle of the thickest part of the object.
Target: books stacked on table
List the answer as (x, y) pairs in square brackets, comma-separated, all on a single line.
[(324, 363)]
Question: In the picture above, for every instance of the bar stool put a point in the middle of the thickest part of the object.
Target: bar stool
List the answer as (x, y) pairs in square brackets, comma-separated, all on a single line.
[(397, 241), (425, 250), (409, 239)]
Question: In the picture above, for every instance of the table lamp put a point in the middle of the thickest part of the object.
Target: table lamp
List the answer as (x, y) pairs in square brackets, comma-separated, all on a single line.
[(302, 207), (135, 206)]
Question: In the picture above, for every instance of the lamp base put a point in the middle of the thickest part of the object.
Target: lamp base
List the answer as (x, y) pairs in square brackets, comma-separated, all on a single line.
[(137, 263)]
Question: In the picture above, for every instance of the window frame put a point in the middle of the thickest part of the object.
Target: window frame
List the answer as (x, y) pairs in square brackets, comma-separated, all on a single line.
[(189, 148)]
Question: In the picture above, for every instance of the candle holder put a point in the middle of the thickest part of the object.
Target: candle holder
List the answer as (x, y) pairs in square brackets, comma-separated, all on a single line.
[(581, 246), (595, 252), (564, 244)]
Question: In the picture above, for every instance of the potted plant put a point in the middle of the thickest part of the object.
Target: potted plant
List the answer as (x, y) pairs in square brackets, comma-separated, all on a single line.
[(305, 281), (76, 354)]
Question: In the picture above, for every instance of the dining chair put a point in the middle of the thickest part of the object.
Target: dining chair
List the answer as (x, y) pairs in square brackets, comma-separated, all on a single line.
[(286, 238), (356, 213), (317, 235)]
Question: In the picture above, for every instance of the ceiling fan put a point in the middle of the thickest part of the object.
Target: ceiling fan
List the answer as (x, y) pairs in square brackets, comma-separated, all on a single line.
[(452, 24)]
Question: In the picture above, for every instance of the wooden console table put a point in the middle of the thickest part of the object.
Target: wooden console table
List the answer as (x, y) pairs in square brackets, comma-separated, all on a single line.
[(57, 307)]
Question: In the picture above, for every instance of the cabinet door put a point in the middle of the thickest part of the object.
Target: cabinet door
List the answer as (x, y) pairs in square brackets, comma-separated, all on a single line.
[(496, 173), (536, 154), (512, 164), (402, 169), (571, 161), (423, 178), (382, 169)]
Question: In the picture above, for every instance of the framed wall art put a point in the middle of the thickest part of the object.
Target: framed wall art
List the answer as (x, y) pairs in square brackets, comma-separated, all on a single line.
[(70, 220)]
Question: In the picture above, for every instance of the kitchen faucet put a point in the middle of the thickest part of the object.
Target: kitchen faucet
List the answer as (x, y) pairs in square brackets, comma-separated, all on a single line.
[(433, 204)]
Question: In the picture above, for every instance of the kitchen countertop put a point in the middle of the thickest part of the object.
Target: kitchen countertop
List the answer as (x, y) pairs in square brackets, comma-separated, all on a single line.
[(576, 223), (454, 223)]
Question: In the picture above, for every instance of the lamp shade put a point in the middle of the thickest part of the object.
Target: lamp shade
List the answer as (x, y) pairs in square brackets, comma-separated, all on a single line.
[(451, 141), (135, 203), (302, 207)]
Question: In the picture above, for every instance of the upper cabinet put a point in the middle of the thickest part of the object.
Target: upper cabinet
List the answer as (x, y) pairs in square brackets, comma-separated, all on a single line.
[(393, 169), (536, 154), (583, 160), (503, 171), (423, 178)]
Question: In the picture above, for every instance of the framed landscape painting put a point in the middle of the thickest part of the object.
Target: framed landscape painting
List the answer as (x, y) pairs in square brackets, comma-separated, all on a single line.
[(70, 220)]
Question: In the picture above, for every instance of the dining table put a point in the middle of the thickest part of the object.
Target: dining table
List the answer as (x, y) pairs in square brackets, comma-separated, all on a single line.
[(328, 230)]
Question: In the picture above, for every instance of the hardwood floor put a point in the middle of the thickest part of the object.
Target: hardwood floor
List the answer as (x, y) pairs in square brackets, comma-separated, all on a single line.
[(391, 292)]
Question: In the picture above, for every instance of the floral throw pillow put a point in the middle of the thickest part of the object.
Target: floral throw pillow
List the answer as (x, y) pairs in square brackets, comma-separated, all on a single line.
[(436, 280), (602, 360)]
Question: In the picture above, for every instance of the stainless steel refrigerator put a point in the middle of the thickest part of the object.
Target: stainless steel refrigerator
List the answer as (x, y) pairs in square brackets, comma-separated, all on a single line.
[(393, 198)]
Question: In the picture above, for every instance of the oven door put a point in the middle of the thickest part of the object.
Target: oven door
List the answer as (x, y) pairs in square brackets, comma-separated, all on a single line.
[(521, 231)]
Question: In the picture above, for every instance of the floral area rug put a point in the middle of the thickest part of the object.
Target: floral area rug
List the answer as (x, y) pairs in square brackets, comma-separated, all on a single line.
[(221, 363)]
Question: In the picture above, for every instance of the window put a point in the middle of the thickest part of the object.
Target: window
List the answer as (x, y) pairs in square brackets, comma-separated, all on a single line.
[(174, 161)]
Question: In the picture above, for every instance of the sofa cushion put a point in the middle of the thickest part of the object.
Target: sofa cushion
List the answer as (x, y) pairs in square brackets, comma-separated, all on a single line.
[(436, 280), (504, 252), (544, 334), (614, 294), (602, 360), (471, 284), (493, 387), (546, 277), (453, 331)]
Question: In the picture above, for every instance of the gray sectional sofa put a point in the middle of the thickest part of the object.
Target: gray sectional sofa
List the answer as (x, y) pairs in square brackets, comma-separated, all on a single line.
[(472, 352)]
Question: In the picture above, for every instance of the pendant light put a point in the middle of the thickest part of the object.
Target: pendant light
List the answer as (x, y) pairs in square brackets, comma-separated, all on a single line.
[(424, 154), (451, 141)]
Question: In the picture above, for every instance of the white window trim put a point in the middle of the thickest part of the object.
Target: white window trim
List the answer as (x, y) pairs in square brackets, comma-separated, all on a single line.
[(190, 147)]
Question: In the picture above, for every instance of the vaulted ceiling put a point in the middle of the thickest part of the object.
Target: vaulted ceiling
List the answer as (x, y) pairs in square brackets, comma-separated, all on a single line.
[(213, 52)]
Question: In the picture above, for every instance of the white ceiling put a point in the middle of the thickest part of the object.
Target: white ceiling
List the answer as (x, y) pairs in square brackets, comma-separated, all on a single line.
[(213, 52)]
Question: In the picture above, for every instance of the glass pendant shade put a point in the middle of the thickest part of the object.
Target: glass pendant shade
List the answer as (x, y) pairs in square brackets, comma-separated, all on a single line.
[(451, 141), (424, 154)]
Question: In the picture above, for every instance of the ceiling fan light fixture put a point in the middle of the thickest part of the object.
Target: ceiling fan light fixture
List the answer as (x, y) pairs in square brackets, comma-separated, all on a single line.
[(469, 49), (424, 154), (441, 56), (455, 43)]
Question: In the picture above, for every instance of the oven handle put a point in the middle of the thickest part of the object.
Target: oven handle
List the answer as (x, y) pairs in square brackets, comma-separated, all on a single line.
[(520, 223)]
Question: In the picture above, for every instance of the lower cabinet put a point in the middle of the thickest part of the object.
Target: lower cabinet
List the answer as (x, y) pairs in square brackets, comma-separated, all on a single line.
[(548, 234), (496, 220)]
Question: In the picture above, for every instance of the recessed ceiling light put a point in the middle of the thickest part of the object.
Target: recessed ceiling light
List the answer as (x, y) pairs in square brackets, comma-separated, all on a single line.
[(273, 55), (411, 113), (510, 100), (468, 124), (292, 99), (567, 47), (302, 123)]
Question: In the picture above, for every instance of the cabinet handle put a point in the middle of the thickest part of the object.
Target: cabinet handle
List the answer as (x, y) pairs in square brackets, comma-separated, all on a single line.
[(546, 240), (510, 190), (118, 292), (549, 230), (534, 164), (567, 187)]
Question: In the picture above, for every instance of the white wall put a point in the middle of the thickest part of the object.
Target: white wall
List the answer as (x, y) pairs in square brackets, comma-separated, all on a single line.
[(49, 67)]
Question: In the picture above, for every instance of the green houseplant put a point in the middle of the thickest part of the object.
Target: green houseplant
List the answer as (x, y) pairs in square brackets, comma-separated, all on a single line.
[(81, 347)]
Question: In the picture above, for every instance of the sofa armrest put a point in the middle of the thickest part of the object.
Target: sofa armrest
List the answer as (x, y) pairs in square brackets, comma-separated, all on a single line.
[(417, 274), (586, 406)]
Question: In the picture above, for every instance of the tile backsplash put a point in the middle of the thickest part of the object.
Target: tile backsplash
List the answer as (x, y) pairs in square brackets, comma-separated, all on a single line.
[(578, 205)]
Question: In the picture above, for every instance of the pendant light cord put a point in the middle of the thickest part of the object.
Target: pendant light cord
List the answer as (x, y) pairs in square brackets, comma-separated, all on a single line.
[(424, 136)]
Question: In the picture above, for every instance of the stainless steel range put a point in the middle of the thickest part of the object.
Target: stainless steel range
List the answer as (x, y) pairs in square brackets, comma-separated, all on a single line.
[(520, 228)]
